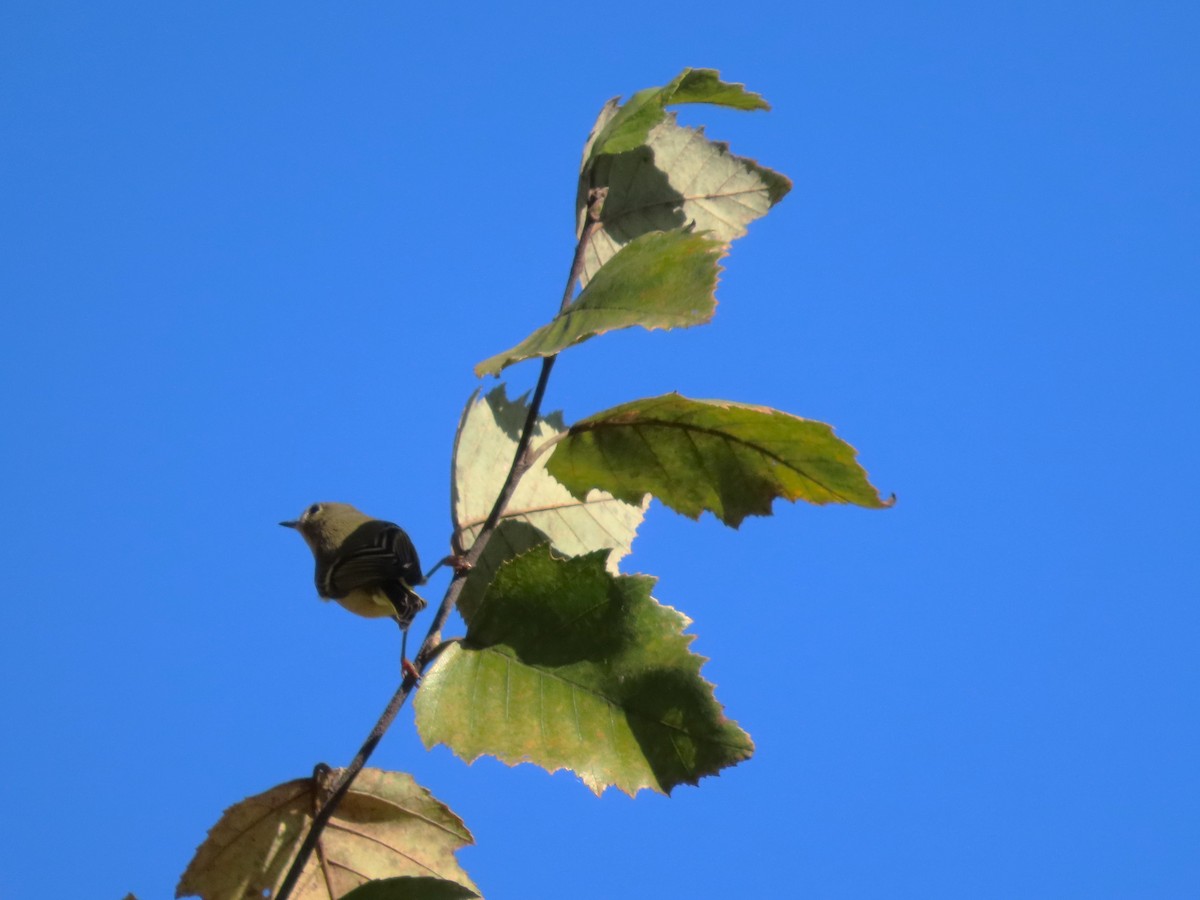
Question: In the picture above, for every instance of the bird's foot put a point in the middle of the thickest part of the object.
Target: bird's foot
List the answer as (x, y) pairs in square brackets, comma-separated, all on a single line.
[(410, 670)]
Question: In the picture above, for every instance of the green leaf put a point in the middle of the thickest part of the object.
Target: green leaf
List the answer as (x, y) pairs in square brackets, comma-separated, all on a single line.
[(622, 128), (387, 825), (659, 280), (675, 178), (694, 455), (607, 112), (565, 665), (511, 538), (411, 888), (540, 508)]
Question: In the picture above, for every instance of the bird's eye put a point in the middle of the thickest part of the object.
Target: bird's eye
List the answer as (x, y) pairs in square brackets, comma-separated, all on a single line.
[(312, 510)]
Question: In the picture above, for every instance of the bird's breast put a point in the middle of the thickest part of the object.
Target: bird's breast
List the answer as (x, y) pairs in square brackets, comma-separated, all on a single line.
[(368, 602)]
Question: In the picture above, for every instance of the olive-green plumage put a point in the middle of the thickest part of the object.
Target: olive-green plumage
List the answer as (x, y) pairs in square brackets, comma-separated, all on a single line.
[(367, 565)]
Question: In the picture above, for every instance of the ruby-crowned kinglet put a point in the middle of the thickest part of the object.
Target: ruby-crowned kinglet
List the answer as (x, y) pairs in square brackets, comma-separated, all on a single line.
[(366, 565)]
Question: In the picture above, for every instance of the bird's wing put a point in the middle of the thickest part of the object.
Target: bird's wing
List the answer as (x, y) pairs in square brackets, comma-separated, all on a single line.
[(376, 553)]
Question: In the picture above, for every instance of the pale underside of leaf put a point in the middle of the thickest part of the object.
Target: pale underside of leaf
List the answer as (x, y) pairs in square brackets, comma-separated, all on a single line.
[(658, 280), (567, 666), (484, 449), (607, 112), (677, 178), (695, 455), (386, 826)]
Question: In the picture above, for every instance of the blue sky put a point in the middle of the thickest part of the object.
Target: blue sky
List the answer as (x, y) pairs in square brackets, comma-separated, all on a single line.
[(251, 255)]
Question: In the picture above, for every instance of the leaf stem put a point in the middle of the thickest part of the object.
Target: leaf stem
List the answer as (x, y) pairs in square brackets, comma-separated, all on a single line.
[(545, 445), (432, 644)]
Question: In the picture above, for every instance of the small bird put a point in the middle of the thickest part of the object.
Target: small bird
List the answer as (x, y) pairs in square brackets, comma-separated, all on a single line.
[(367, 565)]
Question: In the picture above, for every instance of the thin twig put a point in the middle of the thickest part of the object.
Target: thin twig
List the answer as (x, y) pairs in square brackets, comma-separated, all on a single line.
[(321, 773), (325, 813), (432, 645)]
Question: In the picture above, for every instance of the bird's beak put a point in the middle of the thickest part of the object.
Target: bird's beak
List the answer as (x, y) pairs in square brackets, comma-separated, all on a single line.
[(290, 524)]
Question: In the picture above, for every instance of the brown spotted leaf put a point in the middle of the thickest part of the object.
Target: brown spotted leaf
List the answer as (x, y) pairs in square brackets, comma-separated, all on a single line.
[(386, 826)]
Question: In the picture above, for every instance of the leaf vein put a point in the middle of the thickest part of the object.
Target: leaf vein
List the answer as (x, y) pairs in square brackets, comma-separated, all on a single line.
[(674, 425)]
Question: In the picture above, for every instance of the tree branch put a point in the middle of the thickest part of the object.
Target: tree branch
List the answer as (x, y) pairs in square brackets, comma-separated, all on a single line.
[(432, 644)]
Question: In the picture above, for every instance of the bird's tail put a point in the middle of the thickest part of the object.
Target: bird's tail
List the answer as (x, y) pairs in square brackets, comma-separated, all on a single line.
[(407, 603)]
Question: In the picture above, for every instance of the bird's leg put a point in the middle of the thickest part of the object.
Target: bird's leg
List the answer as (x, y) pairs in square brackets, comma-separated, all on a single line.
[(406, 667)]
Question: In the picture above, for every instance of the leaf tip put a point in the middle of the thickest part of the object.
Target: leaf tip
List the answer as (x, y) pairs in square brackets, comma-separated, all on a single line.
[(488, 367)]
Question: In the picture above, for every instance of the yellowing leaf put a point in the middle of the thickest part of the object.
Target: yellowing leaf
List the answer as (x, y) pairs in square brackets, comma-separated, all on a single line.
[(694, 455), (658, 280), (386, 826), (565, 665), (624, 127)]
